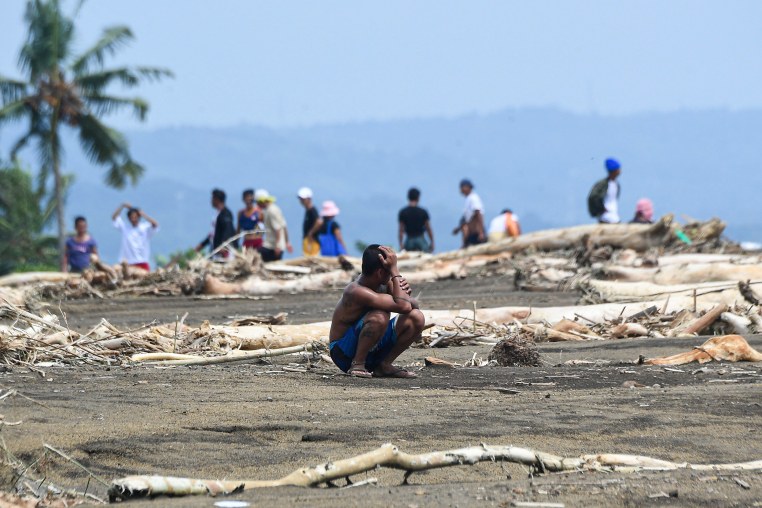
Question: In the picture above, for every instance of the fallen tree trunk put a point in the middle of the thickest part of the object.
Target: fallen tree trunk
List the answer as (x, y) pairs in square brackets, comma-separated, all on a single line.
[(391, 456), (162, 360), (259, 286), (708, 293), (639, 237), (21, 279), (685, 274), (701, 323)]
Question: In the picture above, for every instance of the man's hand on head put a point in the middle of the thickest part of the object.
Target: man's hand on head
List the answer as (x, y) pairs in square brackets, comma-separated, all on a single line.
[(388, 258)]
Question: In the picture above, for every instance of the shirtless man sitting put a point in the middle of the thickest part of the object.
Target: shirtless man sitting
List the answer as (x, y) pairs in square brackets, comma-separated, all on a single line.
[(365, 340)]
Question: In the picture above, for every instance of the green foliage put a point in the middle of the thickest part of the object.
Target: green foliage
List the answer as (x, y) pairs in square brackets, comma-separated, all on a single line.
[(361, 246), (178, 258), (24, 212), (62, 89)]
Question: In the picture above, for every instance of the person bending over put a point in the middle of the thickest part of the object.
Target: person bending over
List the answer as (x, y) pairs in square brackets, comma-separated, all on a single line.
[(364, 339)]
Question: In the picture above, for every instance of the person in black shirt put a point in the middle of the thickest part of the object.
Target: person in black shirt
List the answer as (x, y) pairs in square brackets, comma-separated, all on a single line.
[(414, 225), (224, 226), (311, 225)]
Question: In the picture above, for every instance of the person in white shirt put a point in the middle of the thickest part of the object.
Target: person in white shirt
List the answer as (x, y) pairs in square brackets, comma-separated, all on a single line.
[(136, 236), (472, 222), (504, 225), (611, 199)]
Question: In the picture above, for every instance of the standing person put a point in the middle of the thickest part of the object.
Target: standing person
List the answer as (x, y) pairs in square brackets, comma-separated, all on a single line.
[(472, 222), (603, 200), (505, 225), (329, 234), (644, 212), (136, 236), (364, 338), (311, 225), (413, 223), (249, 219), (79, 247), (223, 226), (276, 229)]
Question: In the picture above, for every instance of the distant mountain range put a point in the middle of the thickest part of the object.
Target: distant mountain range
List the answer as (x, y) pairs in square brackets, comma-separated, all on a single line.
[(541, 163)]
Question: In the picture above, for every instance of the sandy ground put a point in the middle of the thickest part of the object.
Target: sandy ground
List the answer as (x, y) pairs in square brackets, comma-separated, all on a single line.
[(259, 422)]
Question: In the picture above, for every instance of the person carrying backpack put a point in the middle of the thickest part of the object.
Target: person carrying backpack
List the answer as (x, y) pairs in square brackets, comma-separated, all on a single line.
[(603, 200)]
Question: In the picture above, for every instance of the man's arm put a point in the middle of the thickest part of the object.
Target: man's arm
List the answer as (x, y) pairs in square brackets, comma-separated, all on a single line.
[(478, 221), (315, 228), (431, 235), (150, 220), (119, 210), (367, 298), (289, 247)]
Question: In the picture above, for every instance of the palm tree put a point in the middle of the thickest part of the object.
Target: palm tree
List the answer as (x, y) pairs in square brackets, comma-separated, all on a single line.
[(61, 89)]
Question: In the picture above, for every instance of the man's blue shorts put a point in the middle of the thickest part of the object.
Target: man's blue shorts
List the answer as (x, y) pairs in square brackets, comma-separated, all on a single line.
[(344, 349)]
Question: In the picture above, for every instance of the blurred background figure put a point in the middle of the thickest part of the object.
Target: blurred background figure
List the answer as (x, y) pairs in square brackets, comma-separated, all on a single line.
[(276, 240), (603, 200), (223, 227), (311, 225), (250, 219), (329, 235), (79, 247), (414, 225), (472, 221), (644, 212), (136, 236), (505, 225)]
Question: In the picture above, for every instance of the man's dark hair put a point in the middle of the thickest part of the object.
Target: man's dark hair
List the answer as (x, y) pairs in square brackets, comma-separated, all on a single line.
[(247, 192), (219, 194), (79, 219), (133, 210), (506, 210), (413, 194), (370, 259)]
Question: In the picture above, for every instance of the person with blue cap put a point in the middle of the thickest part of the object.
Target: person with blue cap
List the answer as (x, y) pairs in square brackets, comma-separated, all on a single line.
[(603, 200), (472, 222)]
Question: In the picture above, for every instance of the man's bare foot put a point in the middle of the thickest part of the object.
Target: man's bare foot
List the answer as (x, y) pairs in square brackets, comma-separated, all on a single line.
[(359, 370), (392, 371)]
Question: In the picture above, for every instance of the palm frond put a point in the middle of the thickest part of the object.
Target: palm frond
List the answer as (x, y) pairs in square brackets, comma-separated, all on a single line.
[(48, 38), (102, 144), (118, 174), (13, 111), (36, 129), (102, 105), (112, 39), (12, 89), (127, 76)]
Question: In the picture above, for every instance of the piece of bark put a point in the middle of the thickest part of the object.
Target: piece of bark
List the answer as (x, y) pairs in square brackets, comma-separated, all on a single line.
[(700, 323), (433, 361), (629, 330)]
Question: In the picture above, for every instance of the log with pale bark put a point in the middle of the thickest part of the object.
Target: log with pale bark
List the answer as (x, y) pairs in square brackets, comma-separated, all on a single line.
[(23, 279), (639, 237), (391, 456), (258, 286), (729, 348)]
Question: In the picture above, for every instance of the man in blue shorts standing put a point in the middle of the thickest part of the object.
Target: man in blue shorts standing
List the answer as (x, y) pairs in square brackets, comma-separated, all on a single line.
[(365, 339)]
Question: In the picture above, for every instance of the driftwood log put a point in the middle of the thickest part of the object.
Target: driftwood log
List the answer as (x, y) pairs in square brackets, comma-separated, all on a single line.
[(391, 456), (729, 348)]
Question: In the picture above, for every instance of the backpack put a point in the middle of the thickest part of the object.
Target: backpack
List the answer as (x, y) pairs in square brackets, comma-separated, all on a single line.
[(596, 197), (329, 244)]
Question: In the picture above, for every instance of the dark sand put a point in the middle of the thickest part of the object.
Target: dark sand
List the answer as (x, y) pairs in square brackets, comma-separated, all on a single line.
[(243, 422)]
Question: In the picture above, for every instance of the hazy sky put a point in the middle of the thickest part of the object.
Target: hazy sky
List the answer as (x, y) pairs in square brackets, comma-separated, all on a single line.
[(302, 62)]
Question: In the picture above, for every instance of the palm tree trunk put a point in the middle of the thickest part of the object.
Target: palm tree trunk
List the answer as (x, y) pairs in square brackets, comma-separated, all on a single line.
[(58, 192)]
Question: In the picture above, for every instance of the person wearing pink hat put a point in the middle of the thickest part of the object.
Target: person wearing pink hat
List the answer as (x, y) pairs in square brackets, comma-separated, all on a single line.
[(644, 212), (329, 234)]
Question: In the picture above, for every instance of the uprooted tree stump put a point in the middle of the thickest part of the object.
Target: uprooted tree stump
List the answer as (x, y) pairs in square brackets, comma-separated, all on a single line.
[(515, 351)]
